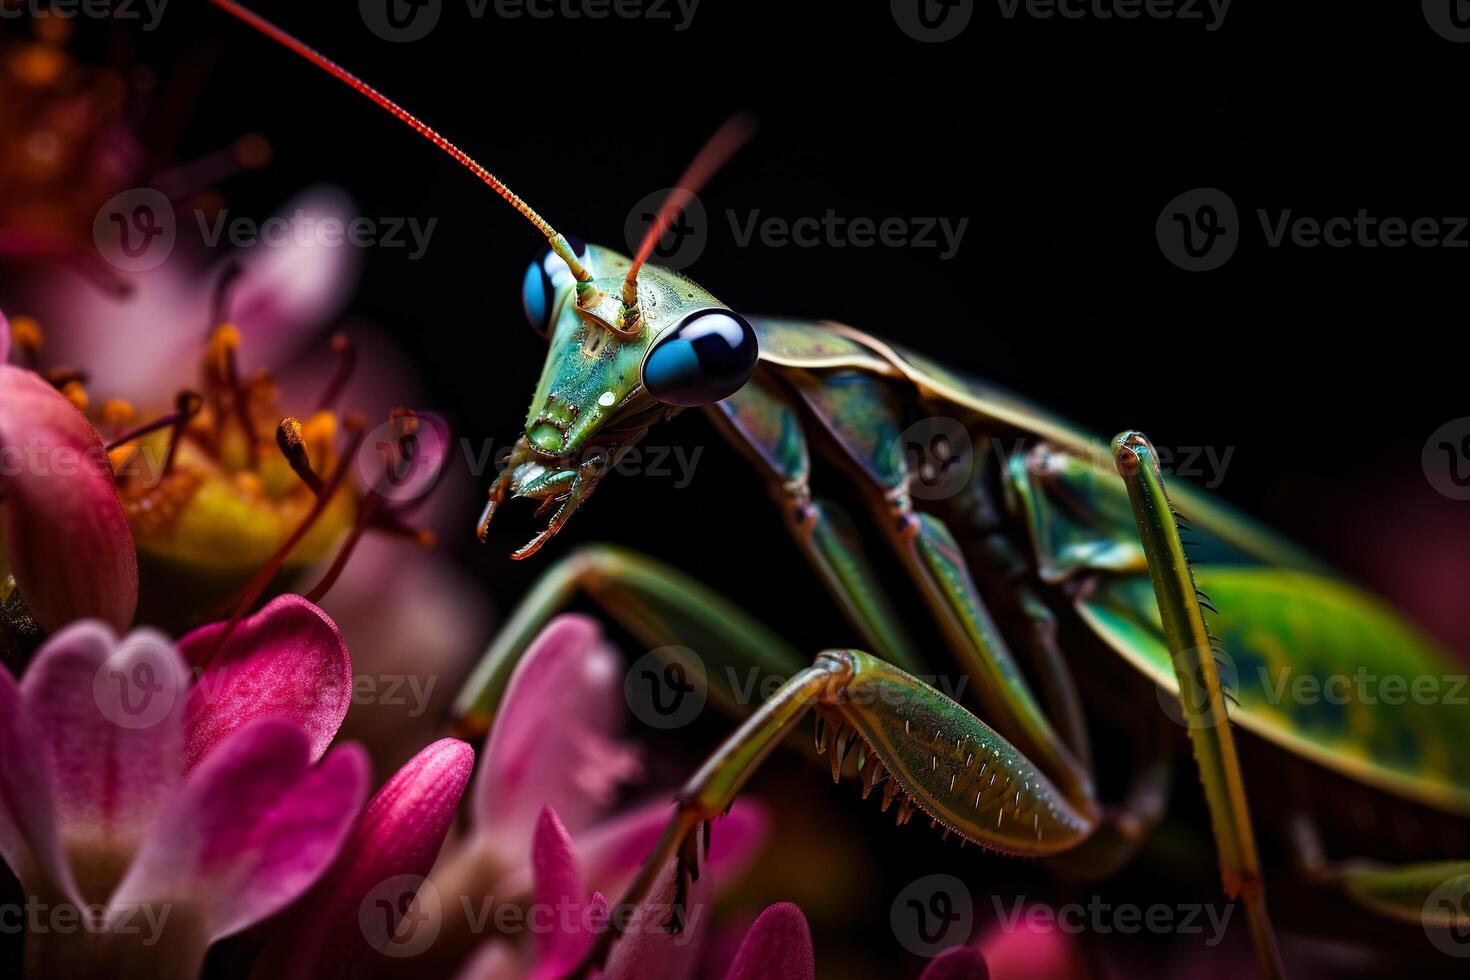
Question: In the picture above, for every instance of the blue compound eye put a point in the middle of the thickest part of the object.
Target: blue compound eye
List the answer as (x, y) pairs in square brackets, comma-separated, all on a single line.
[(708, 356), (544, 278)]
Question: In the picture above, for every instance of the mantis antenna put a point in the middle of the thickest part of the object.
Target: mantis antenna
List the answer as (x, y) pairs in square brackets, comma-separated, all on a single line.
[(559, 244), (716, 151)]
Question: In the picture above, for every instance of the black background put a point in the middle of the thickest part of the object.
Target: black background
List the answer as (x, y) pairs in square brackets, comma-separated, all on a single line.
[(1325, 369)]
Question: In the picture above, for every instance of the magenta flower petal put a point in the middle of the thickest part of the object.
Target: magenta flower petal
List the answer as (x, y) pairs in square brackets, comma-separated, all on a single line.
[(648, 949), (251, 829), (391, 849), (777, 947), (287, 660), (289, 289), (4, 338), (69, 544), (495, 960), (1021, 952), (558, 887), (612, 851), (29, 842), (555, 740), (960, 963), (110, 715)]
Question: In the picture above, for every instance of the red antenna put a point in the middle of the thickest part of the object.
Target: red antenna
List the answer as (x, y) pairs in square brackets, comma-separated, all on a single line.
[(720, 147), (558, 243)]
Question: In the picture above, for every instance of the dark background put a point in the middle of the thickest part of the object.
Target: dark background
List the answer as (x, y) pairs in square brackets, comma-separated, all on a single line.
[(1325, 369)]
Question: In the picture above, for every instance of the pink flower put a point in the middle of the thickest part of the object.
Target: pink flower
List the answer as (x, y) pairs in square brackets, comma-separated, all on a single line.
[(365, 910), (171, 818), (778, 945), (557, 742), (66, 538), (145, 345)]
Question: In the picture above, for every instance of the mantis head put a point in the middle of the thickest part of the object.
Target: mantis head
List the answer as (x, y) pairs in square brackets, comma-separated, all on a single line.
[(613, 369), (630, 343)]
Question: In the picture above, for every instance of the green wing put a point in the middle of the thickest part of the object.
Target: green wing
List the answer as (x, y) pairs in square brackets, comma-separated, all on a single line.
[(1321, 668)]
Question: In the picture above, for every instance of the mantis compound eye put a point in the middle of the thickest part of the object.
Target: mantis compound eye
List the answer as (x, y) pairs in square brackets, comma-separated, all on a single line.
[(544, 281), (708, 356)]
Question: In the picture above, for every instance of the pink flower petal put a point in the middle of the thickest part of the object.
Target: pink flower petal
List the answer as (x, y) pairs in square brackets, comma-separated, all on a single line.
[(287, 291), (648, 949), (251, 830), (148, 345), (777, 947), (554, 742), (612, 851), (496, 960), (28, 839), (959, 963), (423, 643), (69, 544), (392, 848), (287, 660), (1022, 952), (558, 887), (110, 716)]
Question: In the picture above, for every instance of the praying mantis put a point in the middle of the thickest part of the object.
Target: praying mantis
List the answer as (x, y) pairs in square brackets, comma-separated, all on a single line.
[(1069, 552)]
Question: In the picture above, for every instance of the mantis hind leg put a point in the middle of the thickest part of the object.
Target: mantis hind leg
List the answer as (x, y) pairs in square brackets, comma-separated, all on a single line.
[(1434, 894), (659, 605), (1201, 693)]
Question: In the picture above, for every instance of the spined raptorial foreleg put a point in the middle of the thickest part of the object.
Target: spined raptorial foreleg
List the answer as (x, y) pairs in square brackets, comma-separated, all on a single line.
[(927, 753)]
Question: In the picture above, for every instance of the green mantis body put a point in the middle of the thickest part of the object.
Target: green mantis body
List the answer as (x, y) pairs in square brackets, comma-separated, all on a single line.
[(1065, 548)]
